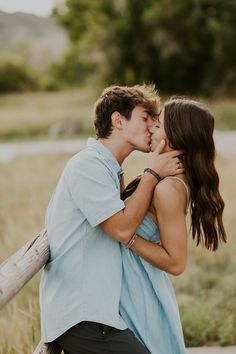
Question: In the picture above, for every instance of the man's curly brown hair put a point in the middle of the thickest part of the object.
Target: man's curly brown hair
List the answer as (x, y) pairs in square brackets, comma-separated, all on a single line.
[(123, 99)]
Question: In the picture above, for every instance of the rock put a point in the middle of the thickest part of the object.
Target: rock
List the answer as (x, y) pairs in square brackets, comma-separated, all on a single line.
[(71, 127)]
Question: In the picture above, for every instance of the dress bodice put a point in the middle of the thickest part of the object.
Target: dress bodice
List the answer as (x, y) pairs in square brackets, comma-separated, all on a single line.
[(148, 229)]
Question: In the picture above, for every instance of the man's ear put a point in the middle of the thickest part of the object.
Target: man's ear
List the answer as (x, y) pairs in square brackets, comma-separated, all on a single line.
[(117, 120)]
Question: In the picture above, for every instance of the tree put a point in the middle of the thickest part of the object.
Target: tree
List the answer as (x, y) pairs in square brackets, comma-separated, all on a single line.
[(181, 46)]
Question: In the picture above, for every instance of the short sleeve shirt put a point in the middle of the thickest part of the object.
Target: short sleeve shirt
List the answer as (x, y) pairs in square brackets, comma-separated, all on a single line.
[(82, 280)]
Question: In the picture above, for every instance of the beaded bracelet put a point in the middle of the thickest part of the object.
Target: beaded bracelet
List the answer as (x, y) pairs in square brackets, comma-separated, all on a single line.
[(131, 241)]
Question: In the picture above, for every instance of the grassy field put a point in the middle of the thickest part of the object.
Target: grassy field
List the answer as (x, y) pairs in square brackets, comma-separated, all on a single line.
[(31, 115), (206, 292)]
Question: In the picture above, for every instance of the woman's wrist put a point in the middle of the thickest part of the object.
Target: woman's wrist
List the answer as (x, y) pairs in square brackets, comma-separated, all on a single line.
[(131, 241)]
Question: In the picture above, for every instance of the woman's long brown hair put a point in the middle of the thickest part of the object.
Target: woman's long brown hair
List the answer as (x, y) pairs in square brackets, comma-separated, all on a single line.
[(189, 127)]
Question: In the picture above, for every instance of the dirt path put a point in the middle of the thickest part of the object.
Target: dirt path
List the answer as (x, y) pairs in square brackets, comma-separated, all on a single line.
[(225, 145), (212, 350), (9, 151)]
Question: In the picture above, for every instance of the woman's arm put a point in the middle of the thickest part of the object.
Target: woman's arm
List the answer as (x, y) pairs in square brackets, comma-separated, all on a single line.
[(169, 202)]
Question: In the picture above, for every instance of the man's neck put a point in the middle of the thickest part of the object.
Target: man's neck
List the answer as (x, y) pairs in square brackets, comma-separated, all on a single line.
[(119, 150)]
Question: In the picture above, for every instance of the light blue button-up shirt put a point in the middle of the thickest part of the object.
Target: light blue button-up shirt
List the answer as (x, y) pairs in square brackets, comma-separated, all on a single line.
[(82, 280)]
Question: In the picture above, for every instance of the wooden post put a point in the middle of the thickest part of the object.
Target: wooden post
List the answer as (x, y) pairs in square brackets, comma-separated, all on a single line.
[(17, 270)]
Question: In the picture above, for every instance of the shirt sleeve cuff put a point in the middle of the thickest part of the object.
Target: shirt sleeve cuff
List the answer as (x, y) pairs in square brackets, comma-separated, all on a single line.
[(105, 214)]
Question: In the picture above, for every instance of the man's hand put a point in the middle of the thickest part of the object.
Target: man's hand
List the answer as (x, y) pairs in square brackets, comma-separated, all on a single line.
[(167, 163)]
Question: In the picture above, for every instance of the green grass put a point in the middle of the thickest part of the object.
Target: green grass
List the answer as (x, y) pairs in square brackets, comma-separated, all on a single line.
[(206, 292), (30, 115)]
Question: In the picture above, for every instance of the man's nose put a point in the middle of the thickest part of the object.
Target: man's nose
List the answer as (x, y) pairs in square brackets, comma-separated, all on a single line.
[(152, 128), (151, 125)]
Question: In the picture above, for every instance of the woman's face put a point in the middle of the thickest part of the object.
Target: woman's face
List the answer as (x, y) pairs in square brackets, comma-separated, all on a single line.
[(158, 133)]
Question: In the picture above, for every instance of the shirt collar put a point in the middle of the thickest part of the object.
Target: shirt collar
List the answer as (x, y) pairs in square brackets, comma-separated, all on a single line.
[(107, 154)]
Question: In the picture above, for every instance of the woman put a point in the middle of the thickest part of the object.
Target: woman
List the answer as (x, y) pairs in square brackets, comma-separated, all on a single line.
[(148, 303)]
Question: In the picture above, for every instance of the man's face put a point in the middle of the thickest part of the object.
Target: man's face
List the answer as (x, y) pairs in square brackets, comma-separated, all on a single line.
[(137, 131)]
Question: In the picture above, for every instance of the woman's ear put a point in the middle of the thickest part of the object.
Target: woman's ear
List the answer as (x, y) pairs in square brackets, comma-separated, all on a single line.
[(116, 119)]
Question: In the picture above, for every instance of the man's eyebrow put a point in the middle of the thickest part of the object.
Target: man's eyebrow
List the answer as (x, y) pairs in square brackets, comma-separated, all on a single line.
[(152, 115)]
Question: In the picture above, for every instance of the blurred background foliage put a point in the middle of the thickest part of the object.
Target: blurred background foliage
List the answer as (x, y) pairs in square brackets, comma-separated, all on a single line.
[(16, 76), (185, 46)]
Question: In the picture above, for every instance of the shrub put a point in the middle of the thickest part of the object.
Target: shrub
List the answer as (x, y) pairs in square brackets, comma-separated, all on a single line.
[(17, 77), (210, 322), (198, 326), (71, 71)]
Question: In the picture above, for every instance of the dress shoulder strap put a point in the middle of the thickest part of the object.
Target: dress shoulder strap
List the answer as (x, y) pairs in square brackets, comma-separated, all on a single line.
[(187, 191)]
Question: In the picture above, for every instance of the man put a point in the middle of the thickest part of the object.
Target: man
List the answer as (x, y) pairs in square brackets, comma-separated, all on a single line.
[(86, 220)]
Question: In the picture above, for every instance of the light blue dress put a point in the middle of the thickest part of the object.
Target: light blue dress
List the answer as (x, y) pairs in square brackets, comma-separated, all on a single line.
[(148, 303)]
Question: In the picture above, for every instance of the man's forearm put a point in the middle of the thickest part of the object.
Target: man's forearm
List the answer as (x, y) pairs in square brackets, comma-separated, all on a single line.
[(138, 204), (123, 225)]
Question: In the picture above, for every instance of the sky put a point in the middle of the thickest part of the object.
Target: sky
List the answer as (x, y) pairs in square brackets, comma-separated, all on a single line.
[(36, 7)]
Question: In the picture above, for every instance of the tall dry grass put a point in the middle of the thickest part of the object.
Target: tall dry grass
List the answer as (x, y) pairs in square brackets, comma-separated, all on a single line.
[(25, 189), (206, 291)]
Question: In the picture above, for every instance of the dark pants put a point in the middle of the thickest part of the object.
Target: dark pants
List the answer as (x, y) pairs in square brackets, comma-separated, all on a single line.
[(95, 338)]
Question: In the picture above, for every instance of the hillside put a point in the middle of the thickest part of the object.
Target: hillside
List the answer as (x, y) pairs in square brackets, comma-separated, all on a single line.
[(37, 40)]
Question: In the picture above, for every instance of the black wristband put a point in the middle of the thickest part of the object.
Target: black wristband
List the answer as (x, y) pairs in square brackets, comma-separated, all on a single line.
[(155, 174)]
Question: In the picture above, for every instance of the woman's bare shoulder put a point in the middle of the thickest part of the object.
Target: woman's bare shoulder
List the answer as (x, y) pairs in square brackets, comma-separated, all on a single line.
[(169, 190)]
